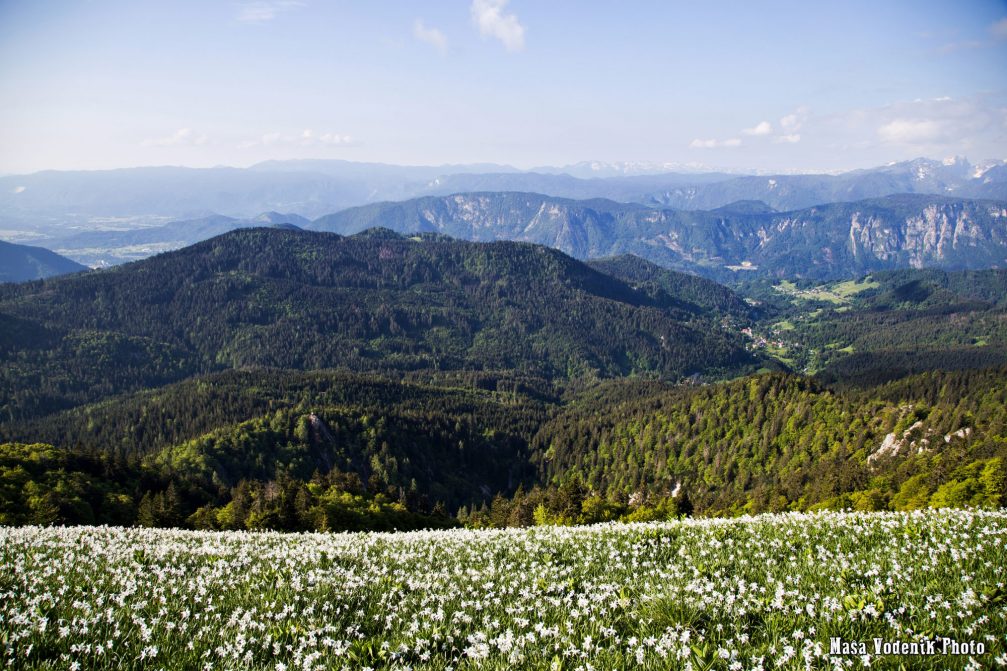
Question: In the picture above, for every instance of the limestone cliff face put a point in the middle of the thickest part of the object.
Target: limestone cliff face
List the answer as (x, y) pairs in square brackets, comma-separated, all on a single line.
[(825, 241), (939, 234)]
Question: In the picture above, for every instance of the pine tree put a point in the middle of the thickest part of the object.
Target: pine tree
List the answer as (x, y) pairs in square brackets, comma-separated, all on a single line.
[(172, 514), (44, 509), (145, 514)]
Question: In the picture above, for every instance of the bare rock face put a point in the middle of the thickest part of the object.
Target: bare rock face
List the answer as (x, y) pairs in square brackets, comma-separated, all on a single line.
[(937, 235), (824, 241)]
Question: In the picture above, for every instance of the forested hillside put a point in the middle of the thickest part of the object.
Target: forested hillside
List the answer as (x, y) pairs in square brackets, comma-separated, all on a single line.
[(372, 302), (211, 432), (285, 379), (780, 442), (330, 450), (695, 293)]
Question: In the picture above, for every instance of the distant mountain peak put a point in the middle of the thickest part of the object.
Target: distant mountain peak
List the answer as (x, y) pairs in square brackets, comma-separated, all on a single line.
[(746, 207), (276, 218), (608, 169)]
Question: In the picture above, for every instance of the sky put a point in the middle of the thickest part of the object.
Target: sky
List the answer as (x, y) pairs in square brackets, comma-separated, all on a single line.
[(771, 86)]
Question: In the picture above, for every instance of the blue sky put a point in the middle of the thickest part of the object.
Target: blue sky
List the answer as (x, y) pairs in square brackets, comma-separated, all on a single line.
[(751, 85)]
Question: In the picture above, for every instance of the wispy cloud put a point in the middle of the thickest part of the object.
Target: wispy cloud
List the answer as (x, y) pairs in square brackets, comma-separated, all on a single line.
[(761, 128), (492, 21), (262, 11), (183, 137), (999, 29), (952, 47), (790, 125), (948, 125), (431, 36), (911, 131), (938, 126), (789, 122), (793, 121), (307, 138), (715, 144)]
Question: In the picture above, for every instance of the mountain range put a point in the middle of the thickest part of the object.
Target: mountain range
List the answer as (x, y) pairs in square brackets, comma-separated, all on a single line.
[(54, 202), (739, 241), (736, 242)]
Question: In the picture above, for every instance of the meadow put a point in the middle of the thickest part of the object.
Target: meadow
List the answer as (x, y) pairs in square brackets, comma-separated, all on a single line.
[(766, 592)]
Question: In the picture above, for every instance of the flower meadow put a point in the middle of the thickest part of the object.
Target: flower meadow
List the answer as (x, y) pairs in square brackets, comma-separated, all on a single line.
[(767, 592)]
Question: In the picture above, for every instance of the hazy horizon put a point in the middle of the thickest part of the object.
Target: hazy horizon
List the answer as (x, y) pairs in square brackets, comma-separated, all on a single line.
[(778, 87), (641, 167)]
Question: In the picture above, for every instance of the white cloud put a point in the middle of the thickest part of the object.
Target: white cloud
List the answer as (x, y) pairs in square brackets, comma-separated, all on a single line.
[(332, 138), (183, 137), (489, 16), (761, 128), (793, 121), (715, 144), (262, 11), (999, 29), (431, 36), (974, 126), (307, 138), (790, 124), (935, 126), (911, 131)]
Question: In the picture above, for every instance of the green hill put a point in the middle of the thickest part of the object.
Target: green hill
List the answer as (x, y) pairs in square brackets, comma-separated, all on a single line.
[(781, 442), (374, 302), (21, 263), (696, 294)]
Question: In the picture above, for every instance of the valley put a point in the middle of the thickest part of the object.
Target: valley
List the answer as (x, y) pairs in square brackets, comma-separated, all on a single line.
[(288, 379)]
